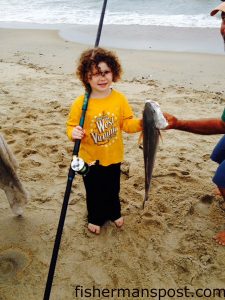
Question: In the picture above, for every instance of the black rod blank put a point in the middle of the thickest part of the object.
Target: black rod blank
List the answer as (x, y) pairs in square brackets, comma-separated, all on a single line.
[(100, 24)]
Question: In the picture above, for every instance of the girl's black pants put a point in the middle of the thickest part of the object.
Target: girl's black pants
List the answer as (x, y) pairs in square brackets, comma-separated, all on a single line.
[(102, 186)]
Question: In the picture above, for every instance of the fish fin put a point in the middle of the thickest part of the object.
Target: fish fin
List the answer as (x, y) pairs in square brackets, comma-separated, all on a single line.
[(140, 141), (160, 135)]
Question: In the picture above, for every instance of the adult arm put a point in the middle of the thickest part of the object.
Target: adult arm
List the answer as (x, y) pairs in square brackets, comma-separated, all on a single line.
[(201, 126)]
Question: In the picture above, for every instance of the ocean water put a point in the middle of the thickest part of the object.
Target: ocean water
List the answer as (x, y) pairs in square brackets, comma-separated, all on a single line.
[(178, 13)]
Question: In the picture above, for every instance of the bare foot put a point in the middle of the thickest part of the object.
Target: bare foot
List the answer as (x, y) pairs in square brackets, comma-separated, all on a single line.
[(119, 222), (94, 228), (220, 238), (216, 192)]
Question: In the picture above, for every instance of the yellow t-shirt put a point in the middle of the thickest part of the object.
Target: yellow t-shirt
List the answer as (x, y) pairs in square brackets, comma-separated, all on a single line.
[(105, 120)]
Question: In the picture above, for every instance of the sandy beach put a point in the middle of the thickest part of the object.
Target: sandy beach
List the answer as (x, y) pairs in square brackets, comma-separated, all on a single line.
[(167, 245)]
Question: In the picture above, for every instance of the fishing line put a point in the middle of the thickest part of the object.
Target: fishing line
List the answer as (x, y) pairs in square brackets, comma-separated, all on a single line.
[(77, 166)]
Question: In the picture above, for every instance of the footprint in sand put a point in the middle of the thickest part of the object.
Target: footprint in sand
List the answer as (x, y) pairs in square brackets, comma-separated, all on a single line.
[(206, 157), (28, 152), (139, 183), (13, 262), (62, 165), (10, 142), (55, 104), (207, 199), (151, 220)]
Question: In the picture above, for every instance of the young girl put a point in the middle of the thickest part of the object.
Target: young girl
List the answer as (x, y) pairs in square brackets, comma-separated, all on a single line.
[(108, 114)]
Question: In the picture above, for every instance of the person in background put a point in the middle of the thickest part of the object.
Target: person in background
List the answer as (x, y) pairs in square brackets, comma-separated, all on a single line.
[(220, 8), (207, 127)]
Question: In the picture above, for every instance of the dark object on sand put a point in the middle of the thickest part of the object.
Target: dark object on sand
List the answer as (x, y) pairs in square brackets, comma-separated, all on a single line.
[(9, 180)]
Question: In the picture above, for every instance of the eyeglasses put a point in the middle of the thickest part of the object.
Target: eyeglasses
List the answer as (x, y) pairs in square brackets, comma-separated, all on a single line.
[(101, 73)]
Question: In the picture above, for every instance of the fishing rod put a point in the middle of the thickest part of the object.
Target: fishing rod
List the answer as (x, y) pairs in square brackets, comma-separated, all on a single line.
[(77, 166)]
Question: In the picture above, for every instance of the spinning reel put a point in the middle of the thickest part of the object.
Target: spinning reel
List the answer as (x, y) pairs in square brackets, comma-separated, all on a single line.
[(79, 166)]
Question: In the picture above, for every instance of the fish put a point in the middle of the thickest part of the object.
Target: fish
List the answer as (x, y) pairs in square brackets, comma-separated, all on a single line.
[(9, 180), (150, 140)]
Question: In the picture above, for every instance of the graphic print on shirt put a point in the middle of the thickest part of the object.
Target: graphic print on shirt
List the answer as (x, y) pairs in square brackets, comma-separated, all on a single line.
[(104, 128)]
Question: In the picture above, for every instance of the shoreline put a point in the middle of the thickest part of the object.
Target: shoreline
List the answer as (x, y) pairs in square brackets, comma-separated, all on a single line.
[(136, 37), (151, 38)]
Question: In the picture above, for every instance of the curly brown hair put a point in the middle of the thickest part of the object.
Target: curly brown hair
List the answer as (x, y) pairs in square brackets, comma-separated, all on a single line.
[(91, 58)]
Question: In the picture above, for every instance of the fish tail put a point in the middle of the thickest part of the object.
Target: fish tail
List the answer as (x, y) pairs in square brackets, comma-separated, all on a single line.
[(145, 199)]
